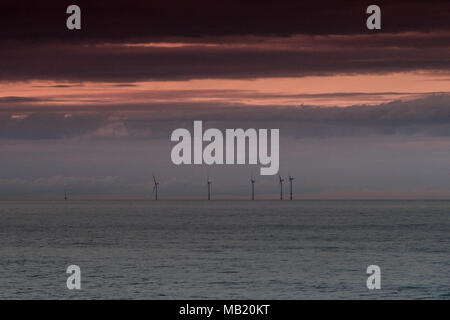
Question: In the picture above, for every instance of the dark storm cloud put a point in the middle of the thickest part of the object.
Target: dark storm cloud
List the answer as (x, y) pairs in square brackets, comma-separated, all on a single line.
[(125, 85), (428, 116), (225, 39), (60, 86), (18, 99), (243, 57), (177, 99), (139, 20)]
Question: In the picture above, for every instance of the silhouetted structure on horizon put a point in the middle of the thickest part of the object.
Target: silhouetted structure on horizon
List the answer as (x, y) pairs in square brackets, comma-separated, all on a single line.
[(155, 187), (209, 187), (290, 182), (281, 187), (253, 187)]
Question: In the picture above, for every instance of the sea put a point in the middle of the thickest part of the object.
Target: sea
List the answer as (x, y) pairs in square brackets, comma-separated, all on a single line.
[(225, 249)]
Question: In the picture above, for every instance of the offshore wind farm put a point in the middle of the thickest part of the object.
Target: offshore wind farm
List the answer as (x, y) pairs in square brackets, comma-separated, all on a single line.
[(209, 188), (168, 196)]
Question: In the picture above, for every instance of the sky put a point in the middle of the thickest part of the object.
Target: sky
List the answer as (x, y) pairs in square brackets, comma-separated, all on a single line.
[(363, 114)]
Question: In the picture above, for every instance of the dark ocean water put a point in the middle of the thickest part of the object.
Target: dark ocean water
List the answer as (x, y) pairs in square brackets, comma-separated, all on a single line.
[(225, 250)]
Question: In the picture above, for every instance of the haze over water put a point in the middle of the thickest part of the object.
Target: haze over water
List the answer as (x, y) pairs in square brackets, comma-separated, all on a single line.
[(225, 249)]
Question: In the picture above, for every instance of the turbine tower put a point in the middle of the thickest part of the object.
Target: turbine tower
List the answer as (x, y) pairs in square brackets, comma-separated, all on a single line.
[(290, 182), (281, 187), (253, 187), (155, 187), (209, 187)]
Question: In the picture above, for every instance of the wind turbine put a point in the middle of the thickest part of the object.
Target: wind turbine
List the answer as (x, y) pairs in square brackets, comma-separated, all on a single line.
[(281, 187), (209, 187), (155, 188), (290, 182), (253, 187)]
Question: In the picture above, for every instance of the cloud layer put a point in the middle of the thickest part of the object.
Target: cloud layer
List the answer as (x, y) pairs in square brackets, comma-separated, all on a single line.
[(228, 57), (430, 116), (138, 20)]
